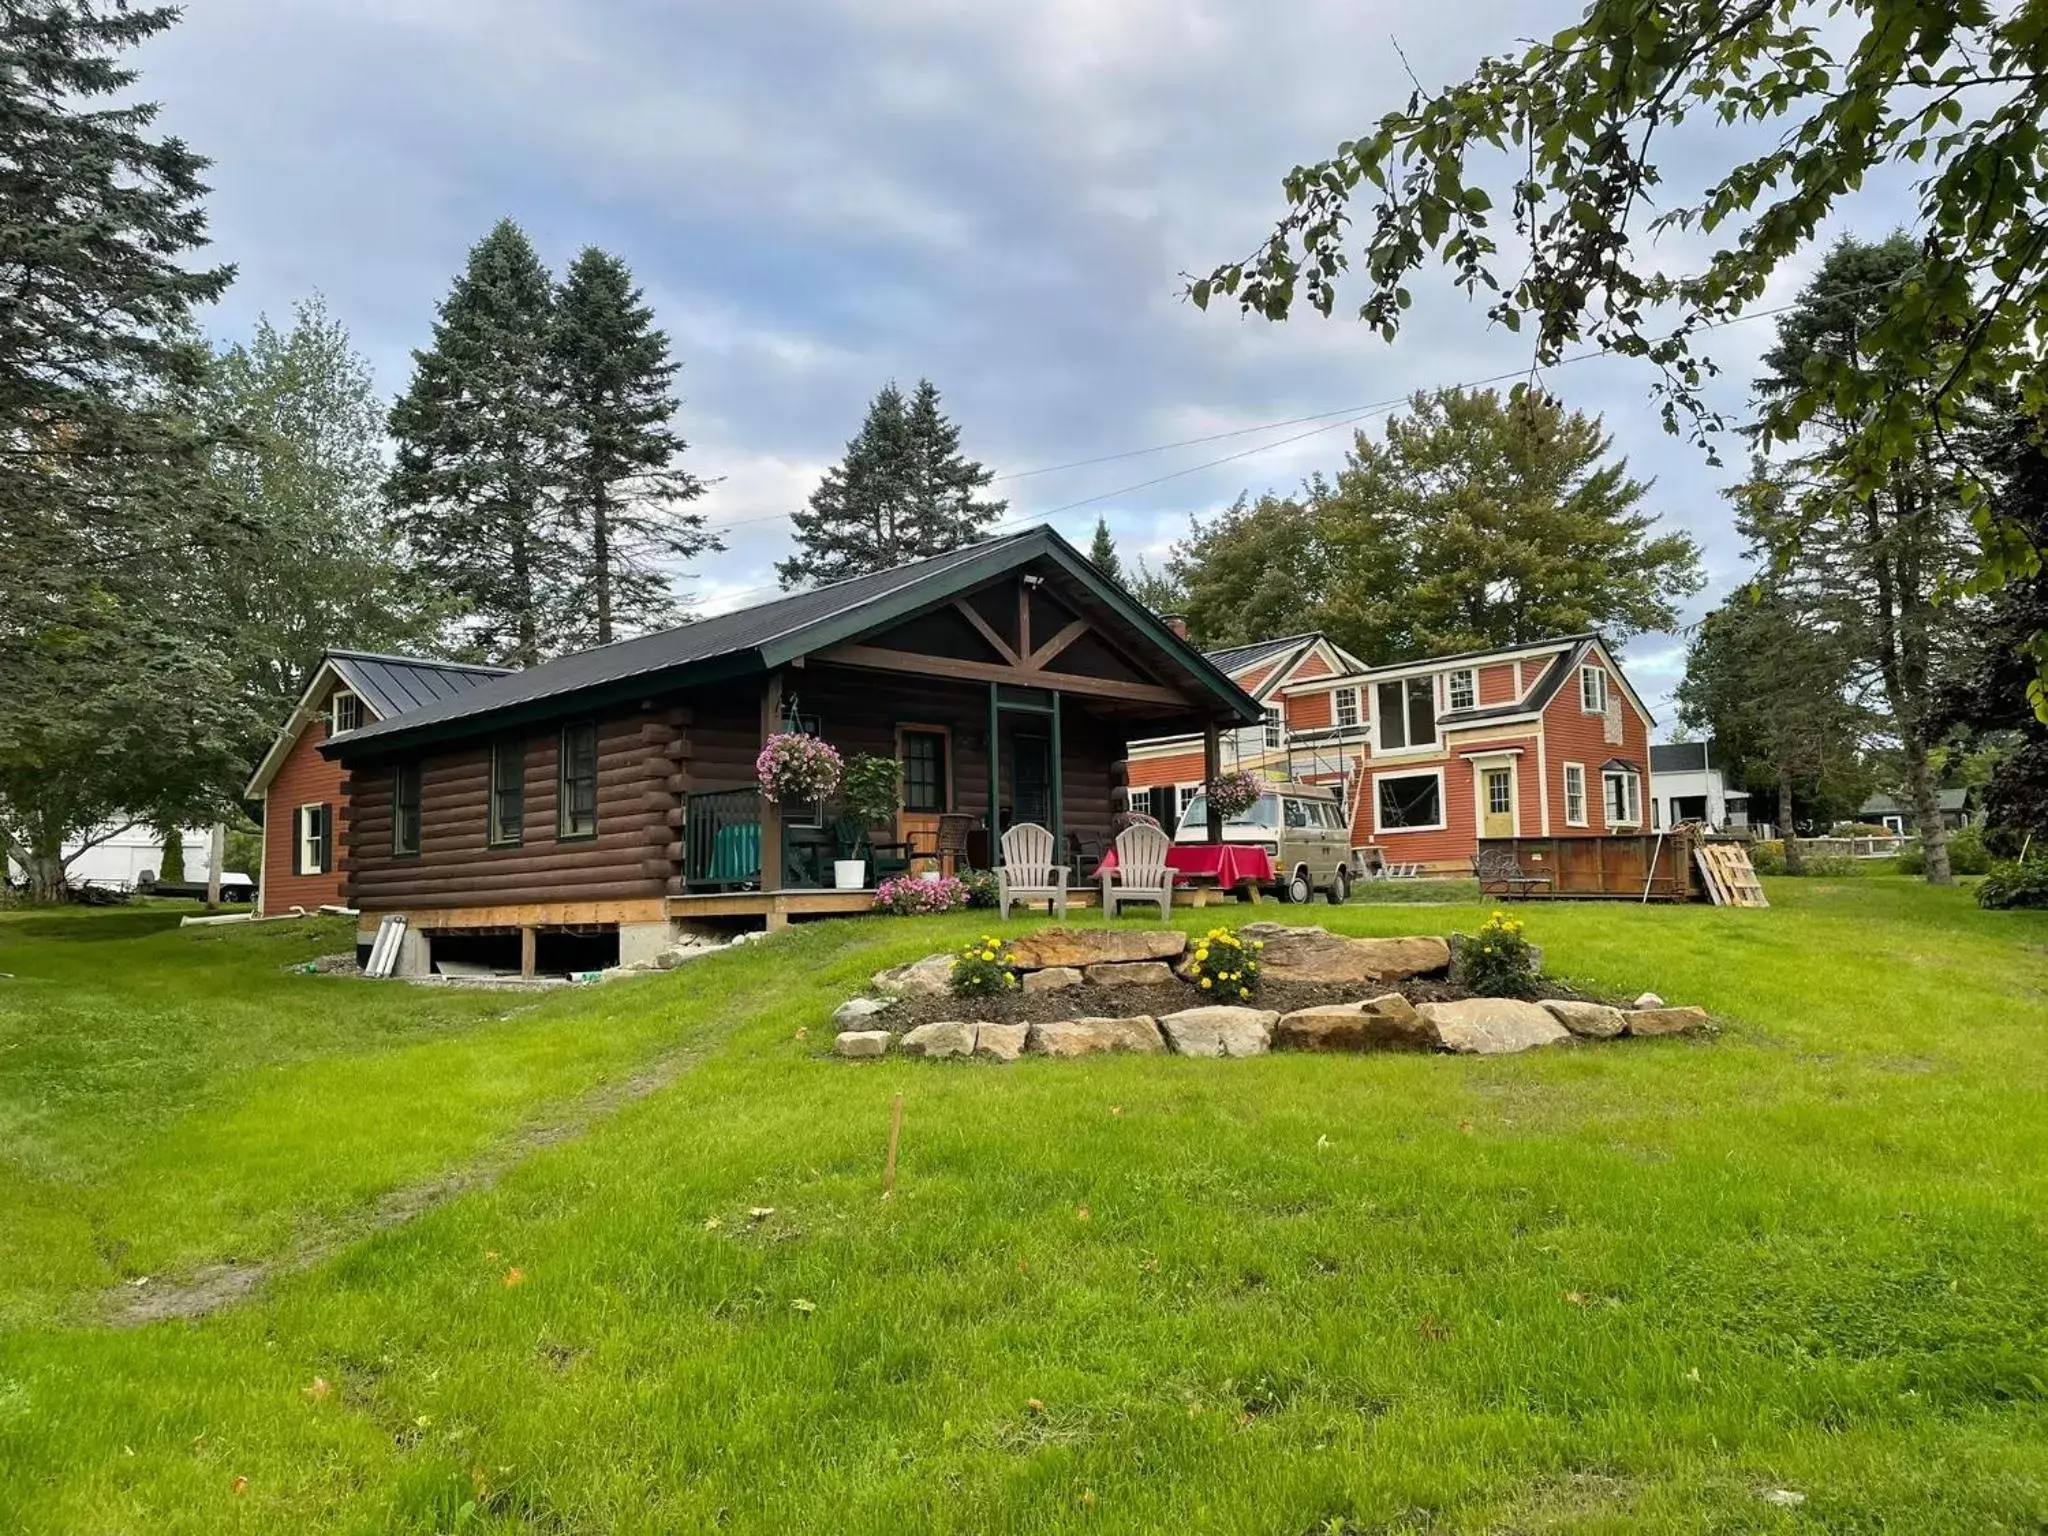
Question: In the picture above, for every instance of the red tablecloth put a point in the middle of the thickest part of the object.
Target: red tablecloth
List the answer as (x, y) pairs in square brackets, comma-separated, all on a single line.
[(1228, 864)]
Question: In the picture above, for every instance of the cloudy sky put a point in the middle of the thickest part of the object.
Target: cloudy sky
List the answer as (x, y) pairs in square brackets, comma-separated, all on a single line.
[(820, 195)]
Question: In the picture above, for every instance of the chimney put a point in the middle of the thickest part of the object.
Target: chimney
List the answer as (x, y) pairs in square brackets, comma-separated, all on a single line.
[(1178, 623)]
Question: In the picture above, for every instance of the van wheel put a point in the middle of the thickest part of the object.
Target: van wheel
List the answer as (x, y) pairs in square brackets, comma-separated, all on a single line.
[(1340, 888), (1297, 891)]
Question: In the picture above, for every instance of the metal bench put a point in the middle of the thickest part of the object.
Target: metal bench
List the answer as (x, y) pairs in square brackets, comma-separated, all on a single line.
[(1500, 873)]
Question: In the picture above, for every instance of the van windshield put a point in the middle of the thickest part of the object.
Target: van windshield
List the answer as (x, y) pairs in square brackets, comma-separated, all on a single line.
[(1265, 812)]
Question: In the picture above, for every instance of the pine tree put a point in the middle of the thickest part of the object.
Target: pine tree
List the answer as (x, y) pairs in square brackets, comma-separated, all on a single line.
[(115, 701), (622, 493), (481, 437), (902, 492), (1102, 552)]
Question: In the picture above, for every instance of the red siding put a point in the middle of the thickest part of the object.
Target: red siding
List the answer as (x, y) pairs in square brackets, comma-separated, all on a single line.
[(1572, 736), (1497, 684), (1308, 711), (1313, 667), (1181, 768), (304, 778), (1453, 845)]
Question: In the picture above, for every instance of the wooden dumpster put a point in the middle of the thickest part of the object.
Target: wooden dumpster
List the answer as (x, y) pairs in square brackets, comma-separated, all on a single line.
[(1654, 867)]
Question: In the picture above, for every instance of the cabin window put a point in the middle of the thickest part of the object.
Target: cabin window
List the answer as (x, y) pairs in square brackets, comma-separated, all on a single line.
[(576, 805), (1344, 708), (1406, 711), (1592, 690), (1183, 797), (312, 840), (924, 771), (1575, 794), (1411, 802), (1276, 727), (405, 810), (345, 713), (1464, 688), (1624, 792), (508, 793)]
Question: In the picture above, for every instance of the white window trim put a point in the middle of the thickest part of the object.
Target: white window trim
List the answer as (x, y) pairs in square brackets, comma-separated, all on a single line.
[(1632, 792), (1483, 765), (1337, 720), (1442, 822), (1183, 797), (1591, 670), (1275, 727), (304, 821), (1451, 687), (334, 725), (1580, 820), (1435, 746)]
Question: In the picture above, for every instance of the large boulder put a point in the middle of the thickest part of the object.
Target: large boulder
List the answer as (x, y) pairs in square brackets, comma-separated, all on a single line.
[(1318, 955), (1130, 973), (861, 1042), (1082, 947), (1589, 1021), (1389, 1023), (1083, 1037), (1667, 1021), (951, 1038), (1219, 1031), (1000, 1042), (1051, 979), (930, 977), (1493, 1026)]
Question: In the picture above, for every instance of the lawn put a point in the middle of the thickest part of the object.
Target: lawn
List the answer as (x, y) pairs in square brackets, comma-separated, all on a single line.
[(646, 1281)]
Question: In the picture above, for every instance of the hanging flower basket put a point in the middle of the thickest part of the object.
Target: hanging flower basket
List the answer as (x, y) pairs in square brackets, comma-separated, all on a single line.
[(796, 767), (1232, 794)]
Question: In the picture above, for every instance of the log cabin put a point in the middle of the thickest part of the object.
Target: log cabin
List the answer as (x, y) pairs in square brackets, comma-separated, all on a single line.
[(577, 812)]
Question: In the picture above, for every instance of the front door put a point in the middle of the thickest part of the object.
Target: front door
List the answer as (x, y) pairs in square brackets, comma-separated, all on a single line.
[(1497, 807), (1031, 778)]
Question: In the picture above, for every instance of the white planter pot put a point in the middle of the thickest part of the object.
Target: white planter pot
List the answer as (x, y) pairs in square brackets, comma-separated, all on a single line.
[(849, 874)]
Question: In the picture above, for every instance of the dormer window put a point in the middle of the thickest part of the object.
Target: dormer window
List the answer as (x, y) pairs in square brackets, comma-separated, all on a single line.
[(1406, 712), (345, 713), (1593, 690), (1464, 688)]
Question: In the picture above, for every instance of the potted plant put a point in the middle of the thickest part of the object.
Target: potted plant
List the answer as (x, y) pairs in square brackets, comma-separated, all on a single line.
[(867, 799), (1232, 794)]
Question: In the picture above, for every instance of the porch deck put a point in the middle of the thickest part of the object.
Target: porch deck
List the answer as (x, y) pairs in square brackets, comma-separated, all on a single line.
[(779, 906)]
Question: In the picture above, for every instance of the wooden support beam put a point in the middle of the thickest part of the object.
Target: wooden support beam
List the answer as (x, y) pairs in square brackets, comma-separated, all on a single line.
[(771, 813), (1212, 769), (881, 659), (1037, 659), (1024, 618), (987, 632), (529, 946)]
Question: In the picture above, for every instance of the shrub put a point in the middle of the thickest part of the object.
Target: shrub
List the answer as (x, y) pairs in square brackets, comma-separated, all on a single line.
[(2012, 883), (1912, 860), (1768, 858), (983, 890), (1860, 829), (985, 969), (1830, 866), (1226, 967), (913, 896), (867, 798), (1498, 961)]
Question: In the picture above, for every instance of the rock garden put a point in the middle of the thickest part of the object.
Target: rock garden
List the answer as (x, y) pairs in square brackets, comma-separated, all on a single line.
[(1237, 992)]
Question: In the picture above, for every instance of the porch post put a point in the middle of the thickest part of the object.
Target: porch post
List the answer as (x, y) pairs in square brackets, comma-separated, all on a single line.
[(1212, 768), (771, 813), (995, 782), (1059, 828)]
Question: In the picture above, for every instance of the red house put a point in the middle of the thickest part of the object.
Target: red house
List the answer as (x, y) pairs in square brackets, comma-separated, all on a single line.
[(1547, 739), (304, 810)]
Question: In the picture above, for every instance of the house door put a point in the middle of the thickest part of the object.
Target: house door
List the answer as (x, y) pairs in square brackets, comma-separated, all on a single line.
[(1498, 808), (1031, 778)]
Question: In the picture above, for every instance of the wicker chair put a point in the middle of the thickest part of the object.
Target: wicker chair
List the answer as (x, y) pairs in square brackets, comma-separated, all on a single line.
[(1141, 873), (1029, 871)]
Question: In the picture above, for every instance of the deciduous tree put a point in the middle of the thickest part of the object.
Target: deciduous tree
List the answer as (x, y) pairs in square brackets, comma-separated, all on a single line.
[(1255, 570)]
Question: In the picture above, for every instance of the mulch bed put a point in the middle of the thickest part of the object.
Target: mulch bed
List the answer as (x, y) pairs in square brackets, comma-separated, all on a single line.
[(1123, 1002)]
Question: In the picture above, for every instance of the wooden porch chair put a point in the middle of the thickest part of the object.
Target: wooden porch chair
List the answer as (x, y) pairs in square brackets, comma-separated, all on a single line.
[(954, 831), (1141, 872), (1028, 871)]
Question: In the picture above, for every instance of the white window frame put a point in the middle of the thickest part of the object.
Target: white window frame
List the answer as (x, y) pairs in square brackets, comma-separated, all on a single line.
[(1631, 796), (1337, 699), (1379, 719), (1183, 797), (334, 725), (1588, 705), (1471, 677), (1276, 727), (1443, 809), (1572, 771), (305, 827)]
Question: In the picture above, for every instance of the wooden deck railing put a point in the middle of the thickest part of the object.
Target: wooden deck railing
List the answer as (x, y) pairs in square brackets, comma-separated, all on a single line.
[(722, 839)]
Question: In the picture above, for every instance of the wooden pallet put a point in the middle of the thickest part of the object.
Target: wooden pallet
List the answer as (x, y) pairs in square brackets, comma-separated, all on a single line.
[(1731, 880)]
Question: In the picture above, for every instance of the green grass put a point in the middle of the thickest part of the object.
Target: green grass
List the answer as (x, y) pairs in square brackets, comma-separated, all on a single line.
[(1613, 1289)]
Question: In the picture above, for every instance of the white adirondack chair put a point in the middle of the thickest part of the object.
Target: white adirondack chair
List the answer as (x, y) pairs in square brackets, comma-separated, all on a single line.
[(1028, 871), (1141, 872)]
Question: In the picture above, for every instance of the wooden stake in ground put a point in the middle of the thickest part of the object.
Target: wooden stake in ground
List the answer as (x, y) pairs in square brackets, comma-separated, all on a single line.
[(217, 850), (895, 1135)]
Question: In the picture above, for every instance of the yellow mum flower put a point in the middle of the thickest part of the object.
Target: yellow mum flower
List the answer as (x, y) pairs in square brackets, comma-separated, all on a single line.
[(1206, 983)]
